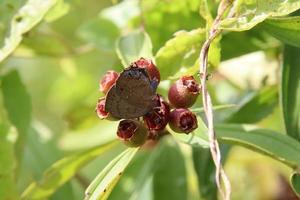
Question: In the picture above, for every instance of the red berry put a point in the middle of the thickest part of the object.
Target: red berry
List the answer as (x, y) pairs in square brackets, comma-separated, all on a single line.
[(108, 80), (133, 133), (102, 114), (152, 70), (158, 118), (183, 120), (184, 92)]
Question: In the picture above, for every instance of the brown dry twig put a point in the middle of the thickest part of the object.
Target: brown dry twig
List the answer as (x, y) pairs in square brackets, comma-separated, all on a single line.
[(220, 176)]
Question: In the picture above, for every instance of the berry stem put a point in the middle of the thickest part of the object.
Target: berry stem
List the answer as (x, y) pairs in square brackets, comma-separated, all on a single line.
[(220, 175)]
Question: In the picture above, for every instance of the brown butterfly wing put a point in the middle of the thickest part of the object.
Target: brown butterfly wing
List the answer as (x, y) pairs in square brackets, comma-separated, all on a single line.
[(134, 85), (119, 107)]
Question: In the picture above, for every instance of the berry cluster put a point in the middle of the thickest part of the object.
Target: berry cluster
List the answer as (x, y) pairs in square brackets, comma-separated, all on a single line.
[(182, 95)]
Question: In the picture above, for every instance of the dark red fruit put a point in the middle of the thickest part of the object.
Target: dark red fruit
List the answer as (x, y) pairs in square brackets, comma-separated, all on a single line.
[(152, 70), (184, 92), (133, 133), (158, 118), (102, 114), (108, 80), (183, 120)]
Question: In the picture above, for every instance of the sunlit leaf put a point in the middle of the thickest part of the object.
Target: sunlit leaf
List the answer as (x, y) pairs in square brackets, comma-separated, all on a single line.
[(93, 136), (60, 9), (256, 107), (188, 69), (103, 184), (26, 18), (7, 11), (214, 54), (290, 91), (281, 147), (163, 18), (8, 188), (119, 13), (295, 181), (133, 46), (215, 108), (205, 12), (100, 32), (62, 171), (286, 29), (17, 103), (278, 146), (251, 12), (169, 58)]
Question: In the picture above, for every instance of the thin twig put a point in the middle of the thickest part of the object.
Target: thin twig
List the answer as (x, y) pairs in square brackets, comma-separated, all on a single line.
[(220, 175)]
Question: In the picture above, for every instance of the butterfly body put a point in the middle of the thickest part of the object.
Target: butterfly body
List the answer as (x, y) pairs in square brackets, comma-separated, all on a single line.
[(132, 96)]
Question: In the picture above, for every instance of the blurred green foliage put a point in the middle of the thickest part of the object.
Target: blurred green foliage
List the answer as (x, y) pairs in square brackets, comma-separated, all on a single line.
[(53, 53)]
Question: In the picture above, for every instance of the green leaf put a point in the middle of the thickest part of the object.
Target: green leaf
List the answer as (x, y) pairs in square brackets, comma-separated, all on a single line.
[(100, 32), (281, 147), (215, 108), (60, 9), (163, 18), (133, 46), (290, 91), (17, 103), (205, 169), (141, 170), (72, 140), (295, 181), (24, 20), (286, 29), (35, 164), (256, 107), (62, 171), (8, 188), (233, 43), (147, 170), (119, 14), (187, 69), (214, 53), (170, 57), (249, 13), (205, 12), (169, 179), (106, 180), (7, 10)]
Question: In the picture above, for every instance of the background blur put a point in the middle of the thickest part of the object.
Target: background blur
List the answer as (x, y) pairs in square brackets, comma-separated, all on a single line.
[(62, 59)]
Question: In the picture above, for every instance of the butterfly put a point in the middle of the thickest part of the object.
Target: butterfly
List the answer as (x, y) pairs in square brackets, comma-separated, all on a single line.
[(133, 95)]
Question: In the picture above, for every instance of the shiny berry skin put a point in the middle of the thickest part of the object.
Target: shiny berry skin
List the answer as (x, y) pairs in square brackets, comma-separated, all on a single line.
[(102, 114), (152, 70), (183, 120), (158, 118), (133, 133), (184, 92), (108, 80)]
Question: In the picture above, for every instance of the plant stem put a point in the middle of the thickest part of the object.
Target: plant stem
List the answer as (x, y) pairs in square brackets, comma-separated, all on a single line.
[(220, 175)]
